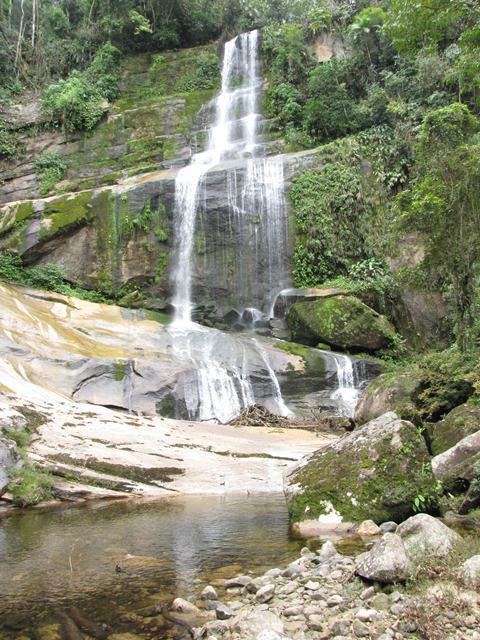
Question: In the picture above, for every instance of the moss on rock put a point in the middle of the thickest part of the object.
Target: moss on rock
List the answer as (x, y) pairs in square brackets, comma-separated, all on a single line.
[(373, 473), (341, 321), (390, 391), (459, 423)]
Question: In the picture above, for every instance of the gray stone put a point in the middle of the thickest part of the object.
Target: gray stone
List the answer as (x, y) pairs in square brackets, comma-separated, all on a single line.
[(250, 623), (334, 601), (388, 527), (184, 606), (315, 622), (360, 629), (470, 571), (459, 461), (265, 594), (386, 561), (223, 612), (384, 394), (238, 581), (209, 593), (367, 593), (424, 535)]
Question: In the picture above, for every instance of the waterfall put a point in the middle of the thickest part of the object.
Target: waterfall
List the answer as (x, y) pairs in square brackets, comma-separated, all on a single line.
[(254, 189), (223, 386), (346, 393)]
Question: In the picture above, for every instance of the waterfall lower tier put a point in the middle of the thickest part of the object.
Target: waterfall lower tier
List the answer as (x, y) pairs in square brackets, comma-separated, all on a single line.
[(227, 373), (347, 392)]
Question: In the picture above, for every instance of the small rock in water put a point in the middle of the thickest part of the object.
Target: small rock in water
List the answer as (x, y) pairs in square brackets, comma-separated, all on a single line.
[(368, 528), (209, 593), (266, 593), (327, 550), (184, 606), (223, 612), (239, 581)]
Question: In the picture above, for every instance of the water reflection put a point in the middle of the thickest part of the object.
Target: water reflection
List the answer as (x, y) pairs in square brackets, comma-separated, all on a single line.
[(115, 560)]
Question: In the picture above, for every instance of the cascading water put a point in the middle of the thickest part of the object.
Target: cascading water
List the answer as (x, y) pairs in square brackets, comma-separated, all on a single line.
[(223, 385), (347, 392)]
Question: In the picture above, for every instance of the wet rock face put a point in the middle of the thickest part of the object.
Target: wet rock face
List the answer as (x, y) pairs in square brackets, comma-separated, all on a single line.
[(9, 457), (374, 472), (341, 321)]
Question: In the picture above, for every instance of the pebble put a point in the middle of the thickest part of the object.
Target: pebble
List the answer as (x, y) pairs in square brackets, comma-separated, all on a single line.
[(397, 609), (388, 527), (209, 593), (366, 615), (396, 596), (334, 601), (381, 602), (292, 611), (184, 606), (368, 528), (239, 581), (315, 623), (223, 612), (312, 586), (367, 593), (265, 594), (360, 629)]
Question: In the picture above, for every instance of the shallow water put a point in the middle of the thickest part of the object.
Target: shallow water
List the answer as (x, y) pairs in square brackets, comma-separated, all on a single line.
[(115, 562)]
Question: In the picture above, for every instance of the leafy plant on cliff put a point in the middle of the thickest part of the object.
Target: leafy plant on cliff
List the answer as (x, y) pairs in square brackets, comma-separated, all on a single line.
[(50, 169)]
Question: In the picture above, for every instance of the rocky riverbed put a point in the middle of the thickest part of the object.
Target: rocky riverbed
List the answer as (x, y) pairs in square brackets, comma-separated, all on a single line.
[(414, 582)]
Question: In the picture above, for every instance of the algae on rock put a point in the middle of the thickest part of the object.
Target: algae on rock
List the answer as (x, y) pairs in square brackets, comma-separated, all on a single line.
[(374, 473), (341, 321)]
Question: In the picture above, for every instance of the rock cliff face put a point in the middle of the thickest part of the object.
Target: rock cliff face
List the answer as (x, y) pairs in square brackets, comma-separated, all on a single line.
[(108, 223)]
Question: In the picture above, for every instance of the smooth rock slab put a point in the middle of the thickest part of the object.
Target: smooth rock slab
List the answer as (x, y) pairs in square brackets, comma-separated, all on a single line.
[(424, 535), (387, 561)]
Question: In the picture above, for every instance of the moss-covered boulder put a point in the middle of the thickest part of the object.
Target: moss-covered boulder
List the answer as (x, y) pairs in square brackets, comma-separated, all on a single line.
[(389, 392), (374, 473), (459, 423), (341, 321)]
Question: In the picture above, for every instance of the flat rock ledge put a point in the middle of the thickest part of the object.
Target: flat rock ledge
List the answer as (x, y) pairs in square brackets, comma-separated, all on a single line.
[(319, 597)]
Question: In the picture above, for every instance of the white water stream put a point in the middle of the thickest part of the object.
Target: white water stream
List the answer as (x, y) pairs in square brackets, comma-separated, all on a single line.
[(223, 385)]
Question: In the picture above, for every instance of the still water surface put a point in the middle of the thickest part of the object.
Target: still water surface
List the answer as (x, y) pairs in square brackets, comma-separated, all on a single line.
[(111, 564)]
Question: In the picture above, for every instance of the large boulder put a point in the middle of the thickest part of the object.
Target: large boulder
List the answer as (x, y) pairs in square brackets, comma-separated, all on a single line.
[(388, 393), (386, 561), (458, 424), (423, 535), (373, 473), (457, 465), (340, 321)]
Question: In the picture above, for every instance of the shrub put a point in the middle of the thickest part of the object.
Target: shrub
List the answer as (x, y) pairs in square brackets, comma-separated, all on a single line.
[(30, 485), (73, 103), (8, 143), (50, 169)]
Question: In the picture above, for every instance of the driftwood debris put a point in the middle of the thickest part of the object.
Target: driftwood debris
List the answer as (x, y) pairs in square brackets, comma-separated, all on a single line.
[(258, 416)]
